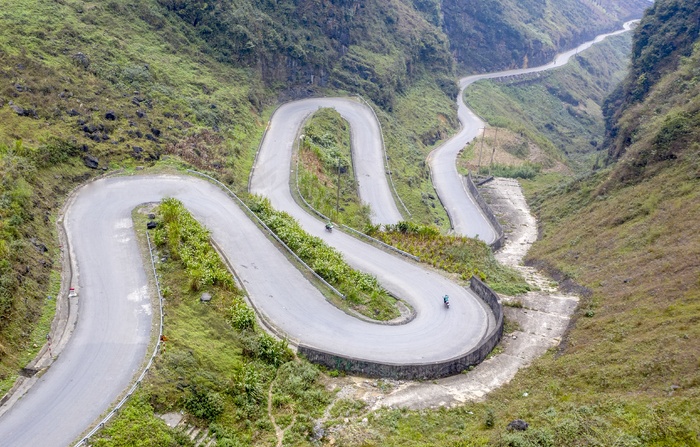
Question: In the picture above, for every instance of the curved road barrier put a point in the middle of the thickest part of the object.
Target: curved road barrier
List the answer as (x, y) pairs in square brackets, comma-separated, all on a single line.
[(487, 212)]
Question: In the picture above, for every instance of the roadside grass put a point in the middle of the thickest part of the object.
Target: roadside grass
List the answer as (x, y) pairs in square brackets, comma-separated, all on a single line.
[(362, 291), (559, 111), (454, 254), (325, 165), (216, 365), (29, 258)]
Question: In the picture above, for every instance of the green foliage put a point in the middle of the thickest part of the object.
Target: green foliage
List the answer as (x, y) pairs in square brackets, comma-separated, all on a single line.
[(362, 290), (524, 171), (325, 165), (455, 254), (242, 316), (204, 404), (266, 348), (189, 243), (137, 425)]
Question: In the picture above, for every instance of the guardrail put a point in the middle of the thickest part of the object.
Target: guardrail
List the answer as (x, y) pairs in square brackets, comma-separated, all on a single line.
[(131, 391), (272, 233)]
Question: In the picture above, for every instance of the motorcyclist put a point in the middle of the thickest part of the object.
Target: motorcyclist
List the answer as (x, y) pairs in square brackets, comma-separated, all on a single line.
[(446, 299), (329, 226)]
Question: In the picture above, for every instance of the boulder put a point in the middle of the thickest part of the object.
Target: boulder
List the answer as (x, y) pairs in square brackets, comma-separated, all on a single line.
[(17, 109), (91, 161), (518, 425), (111, 115), (81, 59), (151, 225)]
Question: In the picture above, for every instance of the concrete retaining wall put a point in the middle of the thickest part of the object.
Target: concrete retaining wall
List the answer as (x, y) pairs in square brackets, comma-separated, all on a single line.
[(422, 370), (486, 210)]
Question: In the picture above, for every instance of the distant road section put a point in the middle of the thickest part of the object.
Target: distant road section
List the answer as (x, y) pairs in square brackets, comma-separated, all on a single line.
[(465, 215)]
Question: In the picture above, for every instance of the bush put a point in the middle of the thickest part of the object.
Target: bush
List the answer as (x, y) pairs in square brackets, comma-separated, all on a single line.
[(203, 403), (189, 242), (242, 317)]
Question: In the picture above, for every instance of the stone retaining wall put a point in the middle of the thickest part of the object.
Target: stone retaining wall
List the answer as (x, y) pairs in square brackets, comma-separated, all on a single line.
[(487, 211), (422, 371)]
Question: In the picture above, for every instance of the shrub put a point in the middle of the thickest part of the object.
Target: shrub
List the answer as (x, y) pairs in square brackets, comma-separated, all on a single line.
[(242, 317)]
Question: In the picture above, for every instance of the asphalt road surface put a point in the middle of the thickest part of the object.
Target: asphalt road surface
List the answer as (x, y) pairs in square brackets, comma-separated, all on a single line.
[(465, 215), (110, 340)]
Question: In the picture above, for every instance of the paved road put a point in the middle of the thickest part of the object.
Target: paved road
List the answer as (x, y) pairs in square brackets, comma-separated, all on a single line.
[(272, 168), (112, 334), (465, 215)]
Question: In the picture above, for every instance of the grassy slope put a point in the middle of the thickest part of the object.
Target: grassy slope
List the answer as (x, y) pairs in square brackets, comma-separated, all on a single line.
[(325, 164), (181, 92)]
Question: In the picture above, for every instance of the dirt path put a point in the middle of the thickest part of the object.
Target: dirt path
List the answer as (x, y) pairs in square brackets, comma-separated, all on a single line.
[(541, 322)]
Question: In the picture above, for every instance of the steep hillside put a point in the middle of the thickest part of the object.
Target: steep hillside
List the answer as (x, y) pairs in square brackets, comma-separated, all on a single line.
[(373, 47), (667, 34), (491, 35)]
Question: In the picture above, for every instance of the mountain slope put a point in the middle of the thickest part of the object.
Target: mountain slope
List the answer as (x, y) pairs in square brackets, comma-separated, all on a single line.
[(666, 35)]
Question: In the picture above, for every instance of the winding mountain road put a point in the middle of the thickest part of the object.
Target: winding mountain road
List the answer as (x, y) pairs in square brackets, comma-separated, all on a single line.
[(465, 215), (113, 330)]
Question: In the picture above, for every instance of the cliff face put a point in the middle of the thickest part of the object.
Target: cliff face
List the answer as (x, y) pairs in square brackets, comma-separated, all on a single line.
[(489, 35), (659, 83), (379, 47), (375, 47)]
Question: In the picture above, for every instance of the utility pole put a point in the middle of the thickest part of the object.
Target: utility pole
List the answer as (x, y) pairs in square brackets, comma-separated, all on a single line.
[(493, 151), (337, 200), (481, 150)]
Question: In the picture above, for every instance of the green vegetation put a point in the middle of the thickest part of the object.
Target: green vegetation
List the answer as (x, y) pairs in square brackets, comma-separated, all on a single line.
[(524, 171), (220, 375), (189, 243), (362, 291), (667, 34), (29, 261), (325, 164), (455, 254)]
